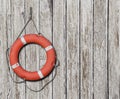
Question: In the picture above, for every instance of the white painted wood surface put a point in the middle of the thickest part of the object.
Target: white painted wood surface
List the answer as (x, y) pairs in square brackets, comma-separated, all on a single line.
[(73, 66), (86, 49), (85, 34), (100, 49), (114, 49)]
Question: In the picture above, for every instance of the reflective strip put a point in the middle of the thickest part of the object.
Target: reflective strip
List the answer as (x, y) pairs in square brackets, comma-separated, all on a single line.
[(23, 40), (15, 65), (40, 74), (48, 48)]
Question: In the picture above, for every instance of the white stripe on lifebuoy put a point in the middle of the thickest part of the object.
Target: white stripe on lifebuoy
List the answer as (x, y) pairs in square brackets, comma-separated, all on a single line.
[(15, 65), (48, 48), (23, 40), (40, 74)]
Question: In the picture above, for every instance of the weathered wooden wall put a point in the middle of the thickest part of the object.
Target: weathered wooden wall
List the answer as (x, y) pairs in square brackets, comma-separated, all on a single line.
[(85, 34)]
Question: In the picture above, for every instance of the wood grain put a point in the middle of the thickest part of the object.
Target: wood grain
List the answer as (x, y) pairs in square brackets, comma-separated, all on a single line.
[(114, 49), (18, 18), (72, 49), (3, 69), (100, 49), (59, 34), (4, 85), (85, 34), (14, 24), (86, 49)]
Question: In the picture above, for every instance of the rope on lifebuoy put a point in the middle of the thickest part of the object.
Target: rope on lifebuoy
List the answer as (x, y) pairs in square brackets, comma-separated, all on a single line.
[(19, 44), (23, 81), (39, 72)]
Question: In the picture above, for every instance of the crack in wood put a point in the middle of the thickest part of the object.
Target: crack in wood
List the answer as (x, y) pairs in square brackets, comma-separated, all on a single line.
[(9, 90)]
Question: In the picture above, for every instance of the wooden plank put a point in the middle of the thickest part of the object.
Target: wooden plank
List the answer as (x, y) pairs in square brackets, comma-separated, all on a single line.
[(2, 7), (14, 24), (18, 8), (3, 65), (72, 49), (82, 51), (4, 90), (32, 51), (114, 49), (100, 49), (46, 30), (86, 48), (9, 33), (59, 41)]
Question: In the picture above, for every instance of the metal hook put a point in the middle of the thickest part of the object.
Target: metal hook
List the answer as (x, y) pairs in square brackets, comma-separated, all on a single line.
[(30, 12)]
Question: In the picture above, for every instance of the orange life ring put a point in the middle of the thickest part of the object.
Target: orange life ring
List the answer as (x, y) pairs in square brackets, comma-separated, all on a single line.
[(50, 53)]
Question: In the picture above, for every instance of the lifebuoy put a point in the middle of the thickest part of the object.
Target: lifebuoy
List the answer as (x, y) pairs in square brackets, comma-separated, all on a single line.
[(14, 54)]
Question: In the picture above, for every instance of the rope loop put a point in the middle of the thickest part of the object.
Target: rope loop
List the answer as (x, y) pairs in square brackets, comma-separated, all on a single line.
[(7, 58), (23, 81)]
